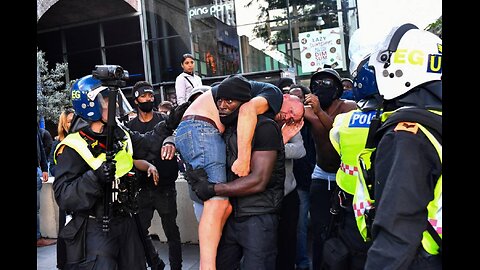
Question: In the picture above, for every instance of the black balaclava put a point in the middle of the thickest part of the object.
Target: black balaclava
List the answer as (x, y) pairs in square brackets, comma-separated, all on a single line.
[(326, 94), (235, 87)]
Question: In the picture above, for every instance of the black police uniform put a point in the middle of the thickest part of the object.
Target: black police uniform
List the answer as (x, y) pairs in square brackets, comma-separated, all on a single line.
[(79, 191), (161, 197), (406, 169)]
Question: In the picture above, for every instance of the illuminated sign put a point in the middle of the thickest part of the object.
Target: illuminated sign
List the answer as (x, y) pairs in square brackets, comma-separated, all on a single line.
[(199, 12)]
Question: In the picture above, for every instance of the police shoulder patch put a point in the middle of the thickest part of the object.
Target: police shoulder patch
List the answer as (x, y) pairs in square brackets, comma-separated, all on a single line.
[(411, 127), (60, 149)]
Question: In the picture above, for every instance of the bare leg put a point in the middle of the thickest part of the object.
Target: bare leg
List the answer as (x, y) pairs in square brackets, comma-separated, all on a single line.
[(214, 215)]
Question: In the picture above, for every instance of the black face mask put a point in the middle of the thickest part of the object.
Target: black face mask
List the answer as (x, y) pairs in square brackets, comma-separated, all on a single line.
[(146, 106), (326, 96), (230, 119)]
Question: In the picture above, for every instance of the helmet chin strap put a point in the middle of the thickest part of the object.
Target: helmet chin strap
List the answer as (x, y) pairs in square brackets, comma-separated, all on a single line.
[(103, 128), (78, 123)]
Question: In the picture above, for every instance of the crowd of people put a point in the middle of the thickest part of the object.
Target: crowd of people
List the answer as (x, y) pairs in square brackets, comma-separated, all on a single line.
[(354, 162)]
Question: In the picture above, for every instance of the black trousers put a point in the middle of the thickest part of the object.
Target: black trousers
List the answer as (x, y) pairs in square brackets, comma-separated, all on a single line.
[(119, 249), (250, 241), (350, 235), (287, 231), (61, 248), (164, 201)]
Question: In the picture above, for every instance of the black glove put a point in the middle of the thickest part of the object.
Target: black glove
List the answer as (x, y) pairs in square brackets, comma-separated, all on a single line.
[(176, 115), (106, 172), (198, 179)]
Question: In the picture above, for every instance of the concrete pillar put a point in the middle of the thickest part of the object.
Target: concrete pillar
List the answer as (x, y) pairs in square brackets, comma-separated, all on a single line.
[(186, 220)]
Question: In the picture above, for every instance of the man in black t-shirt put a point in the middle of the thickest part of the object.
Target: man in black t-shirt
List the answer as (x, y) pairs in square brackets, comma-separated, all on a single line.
[(161, 195), (256, 197)]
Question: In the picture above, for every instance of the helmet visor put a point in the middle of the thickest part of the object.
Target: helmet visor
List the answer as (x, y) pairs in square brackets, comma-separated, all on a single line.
[(123, 107)]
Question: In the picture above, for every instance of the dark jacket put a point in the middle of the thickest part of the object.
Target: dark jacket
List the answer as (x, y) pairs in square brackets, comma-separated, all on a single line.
[(41, 156), (167, 169), (77, 188), (406, 169), (46, 140)]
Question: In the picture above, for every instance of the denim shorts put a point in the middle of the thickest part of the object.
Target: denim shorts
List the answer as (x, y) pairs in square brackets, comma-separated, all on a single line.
[(201, 145)]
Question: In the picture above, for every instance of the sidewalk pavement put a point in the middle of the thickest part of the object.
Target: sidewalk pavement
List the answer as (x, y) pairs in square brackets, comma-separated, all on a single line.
[(47, 256)]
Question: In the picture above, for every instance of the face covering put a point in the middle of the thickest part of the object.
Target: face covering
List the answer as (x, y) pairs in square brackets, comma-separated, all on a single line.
[(325, 95), (230, 119), (146, 106)]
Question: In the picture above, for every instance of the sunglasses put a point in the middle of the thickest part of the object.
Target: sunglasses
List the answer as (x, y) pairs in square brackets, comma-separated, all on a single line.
[(324, 83)]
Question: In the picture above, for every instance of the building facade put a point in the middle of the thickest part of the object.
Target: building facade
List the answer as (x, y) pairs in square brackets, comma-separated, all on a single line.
[(148, 37)]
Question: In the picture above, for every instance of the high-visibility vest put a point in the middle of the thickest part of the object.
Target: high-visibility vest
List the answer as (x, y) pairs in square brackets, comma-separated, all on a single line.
[(123, 157), (363, 203), (348, 137)]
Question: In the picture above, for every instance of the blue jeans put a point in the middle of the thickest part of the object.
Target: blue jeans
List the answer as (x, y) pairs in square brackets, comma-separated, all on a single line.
[(39, 187), (201, 145), (302, 260)]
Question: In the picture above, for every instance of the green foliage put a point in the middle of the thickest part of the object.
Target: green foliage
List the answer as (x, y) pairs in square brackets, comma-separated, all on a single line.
[(304, 12), (436, 27), (52, 95)]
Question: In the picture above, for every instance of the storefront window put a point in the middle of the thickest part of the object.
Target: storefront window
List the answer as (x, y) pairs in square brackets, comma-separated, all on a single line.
[(272, 29), (167, 38), (165, 56), (122, 31), (130, 57), (214, 37), (81, 64), (225, 37), (82, 38)]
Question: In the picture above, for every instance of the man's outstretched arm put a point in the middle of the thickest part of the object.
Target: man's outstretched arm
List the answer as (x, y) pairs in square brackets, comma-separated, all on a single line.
[(247, 120)]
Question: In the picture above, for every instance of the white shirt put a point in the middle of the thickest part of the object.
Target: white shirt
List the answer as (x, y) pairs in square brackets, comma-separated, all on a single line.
[(183, 87)]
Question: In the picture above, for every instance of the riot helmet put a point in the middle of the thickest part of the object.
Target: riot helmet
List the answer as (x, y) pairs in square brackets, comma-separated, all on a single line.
[(90, 99), (362, 43), (365, 90), (407, 58)]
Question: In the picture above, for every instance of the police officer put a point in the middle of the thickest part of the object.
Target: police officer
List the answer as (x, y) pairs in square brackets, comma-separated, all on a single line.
[(405, 154), (348, 136), (82, 174)]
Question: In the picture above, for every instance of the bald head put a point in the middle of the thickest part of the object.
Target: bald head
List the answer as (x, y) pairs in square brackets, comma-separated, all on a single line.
[(292, 110)]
